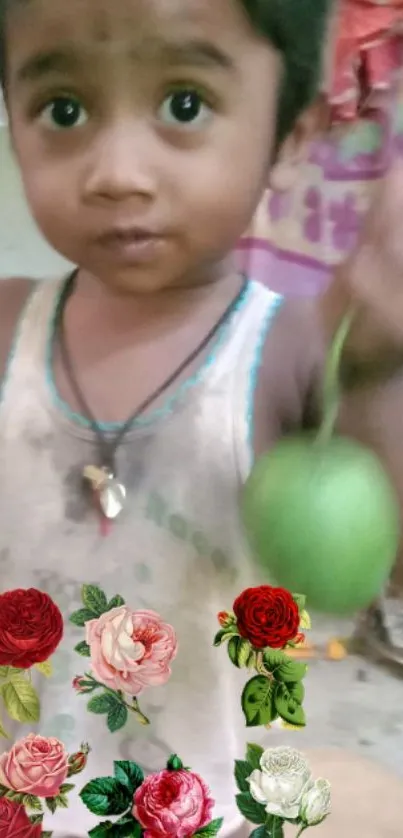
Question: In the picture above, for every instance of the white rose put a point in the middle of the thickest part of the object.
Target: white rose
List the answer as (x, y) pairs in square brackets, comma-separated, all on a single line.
[(315, 804), (280, 785)]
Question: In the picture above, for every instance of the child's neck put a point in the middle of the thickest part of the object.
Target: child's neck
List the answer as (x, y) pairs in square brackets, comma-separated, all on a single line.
[(123, 347), (111, 309)]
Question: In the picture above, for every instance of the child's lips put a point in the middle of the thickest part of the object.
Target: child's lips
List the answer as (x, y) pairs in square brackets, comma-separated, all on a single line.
[(132, 245)]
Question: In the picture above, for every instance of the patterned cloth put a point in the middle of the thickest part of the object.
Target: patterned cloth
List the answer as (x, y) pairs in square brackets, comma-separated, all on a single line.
[(297, 237)]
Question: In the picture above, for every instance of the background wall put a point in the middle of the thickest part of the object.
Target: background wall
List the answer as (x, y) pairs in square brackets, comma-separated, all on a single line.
[(23, 252)]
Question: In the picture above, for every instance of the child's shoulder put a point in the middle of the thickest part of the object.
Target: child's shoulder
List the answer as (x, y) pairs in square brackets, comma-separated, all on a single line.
[(288, 386), (13, 296), (295, 338)]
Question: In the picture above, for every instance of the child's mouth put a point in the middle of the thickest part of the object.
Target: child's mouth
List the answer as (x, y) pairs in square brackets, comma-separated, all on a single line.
[(132, 245)]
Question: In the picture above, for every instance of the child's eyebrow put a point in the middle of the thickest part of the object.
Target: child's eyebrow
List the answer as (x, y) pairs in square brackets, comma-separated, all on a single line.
[(196, 53), (44, 63)]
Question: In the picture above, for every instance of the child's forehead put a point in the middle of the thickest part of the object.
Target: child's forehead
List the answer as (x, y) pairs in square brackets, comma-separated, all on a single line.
[(101, 21)]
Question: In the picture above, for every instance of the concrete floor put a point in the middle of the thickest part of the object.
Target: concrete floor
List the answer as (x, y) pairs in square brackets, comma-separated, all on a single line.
[(354, 737), (353, 704)]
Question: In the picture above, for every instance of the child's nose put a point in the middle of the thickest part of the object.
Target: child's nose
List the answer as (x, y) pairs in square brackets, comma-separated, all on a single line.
[(122, 164)]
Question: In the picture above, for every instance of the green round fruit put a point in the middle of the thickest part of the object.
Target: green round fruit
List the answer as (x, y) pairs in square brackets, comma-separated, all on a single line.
[(324, 521)]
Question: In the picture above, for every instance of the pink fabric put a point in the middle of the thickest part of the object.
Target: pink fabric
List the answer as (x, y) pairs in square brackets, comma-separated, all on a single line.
[(370, 34)]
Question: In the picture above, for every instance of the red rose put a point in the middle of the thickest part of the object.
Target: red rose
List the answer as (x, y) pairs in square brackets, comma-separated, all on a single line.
[(15, 823), (31, 627), (267, 616), (172, 804)]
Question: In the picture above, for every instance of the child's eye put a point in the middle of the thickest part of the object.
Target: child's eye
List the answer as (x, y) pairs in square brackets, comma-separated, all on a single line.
[(64, 113), (185, 108)]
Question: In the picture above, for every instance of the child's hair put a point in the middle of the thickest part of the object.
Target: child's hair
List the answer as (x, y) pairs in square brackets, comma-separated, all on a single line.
[(297, 28)]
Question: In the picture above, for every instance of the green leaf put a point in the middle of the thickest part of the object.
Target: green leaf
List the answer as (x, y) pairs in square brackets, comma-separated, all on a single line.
[(102, 830), (252, 811), (20, 700), (258, 701), (35, 819), (107, 703), (129, 774), (66, 788), (94, 599), (260, 832), (300, 599), (174, 763), (273, 659), (106, 796), (225, 634), (61, 801), (83, 649), (4, 671), (3, 732), (101, 703), (253, 755), (305, 623), (45, 668), (51, 804), (125, 827), (211, 829), (287, 700), (30, 801), (46, 834), (239, 651), (242, 771), (275, 828), (283, 667), (117, 717), (81, 617), (116, 602)]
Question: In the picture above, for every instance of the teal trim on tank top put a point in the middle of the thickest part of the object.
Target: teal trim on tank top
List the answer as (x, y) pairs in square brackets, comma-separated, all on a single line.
[(272, 309), (161, 412)]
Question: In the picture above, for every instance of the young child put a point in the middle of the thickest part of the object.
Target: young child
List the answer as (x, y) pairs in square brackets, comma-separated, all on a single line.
[(145, 132)]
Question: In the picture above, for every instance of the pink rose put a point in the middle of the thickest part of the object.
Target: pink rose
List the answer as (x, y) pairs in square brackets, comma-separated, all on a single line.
[(172, 803), (35, 765), (131, 650)]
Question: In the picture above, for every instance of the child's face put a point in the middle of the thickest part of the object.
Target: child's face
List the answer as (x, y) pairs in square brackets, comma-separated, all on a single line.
[(143, 129)]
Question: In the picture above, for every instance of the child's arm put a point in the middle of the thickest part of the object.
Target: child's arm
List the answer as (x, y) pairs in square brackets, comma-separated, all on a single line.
[(13, 295)]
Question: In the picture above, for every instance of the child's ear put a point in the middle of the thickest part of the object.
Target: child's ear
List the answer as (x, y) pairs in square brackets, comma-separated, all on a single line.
[(294, 150)]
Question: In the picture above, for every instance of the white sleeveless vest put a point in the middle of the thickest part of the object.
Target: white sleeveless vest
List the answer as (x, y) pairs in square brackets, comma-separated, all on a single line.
[(178, 548)]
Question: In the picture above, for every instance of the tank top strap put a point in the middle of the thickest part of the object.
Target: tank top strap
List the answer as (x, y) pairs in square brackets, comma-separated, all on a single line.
[(250, 340), (26, 365), (237, 363)]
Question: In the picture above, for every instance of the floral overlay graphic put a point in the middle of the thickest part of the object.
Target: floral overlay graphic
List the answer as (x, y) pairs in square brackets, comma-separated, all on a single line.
[(31, 628), (276, 787), (33, 778), (15, 823), (129, 651), (173, 803), (265, 625)]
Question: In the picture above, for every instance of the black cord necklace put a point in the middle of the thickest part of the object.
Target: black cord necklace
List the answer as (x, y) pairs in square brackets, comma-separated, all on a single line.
[(109, 492)]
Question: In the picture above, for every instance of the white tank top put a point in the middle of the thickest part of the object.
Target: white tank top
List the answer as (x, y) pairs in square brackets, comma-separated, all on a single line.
[(177, 549)]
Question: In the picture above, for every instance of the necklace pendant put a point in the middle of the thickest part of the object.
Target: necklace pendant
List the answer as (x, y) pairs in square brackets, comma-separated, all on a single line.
[(112, 497), (110, 494)]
